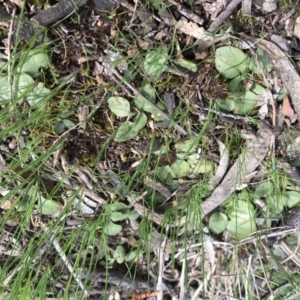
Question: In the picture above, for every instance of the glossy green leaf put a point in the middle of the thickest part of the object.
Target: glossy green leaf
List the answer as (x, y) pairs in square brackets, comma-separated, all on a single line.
[(120, 106), (48, 206), (231, 61), (218, 222), (112, 229), (179, 169), (155, 62), (119, 254)]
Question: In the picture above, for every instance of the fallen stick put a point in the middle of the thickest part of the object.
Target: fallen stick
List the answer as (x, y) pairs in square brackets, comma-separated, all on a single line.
[(224, 15)]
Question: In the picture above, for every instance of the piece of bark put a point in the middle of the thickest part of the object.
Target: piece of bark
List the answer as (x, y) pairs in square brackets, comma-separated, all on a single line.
[(57, 11), (246, 163), (246, 7), (224, 15)]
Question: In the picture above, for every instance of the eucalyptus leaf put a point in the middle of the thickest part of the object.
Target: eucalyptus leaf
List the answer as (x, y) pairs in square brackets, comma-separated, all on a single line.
[(119, 254), (48, 206), (218, 222), (112, 229), (231, 61), (179, 169), (155, 62), (120, 106)]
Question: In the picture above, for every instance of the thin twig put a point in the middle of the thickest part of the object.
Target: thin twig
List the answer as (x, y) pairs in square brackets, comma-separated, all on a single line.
[(133, 14), (224, 15), (64, 258), (9, 53), (161, 251)]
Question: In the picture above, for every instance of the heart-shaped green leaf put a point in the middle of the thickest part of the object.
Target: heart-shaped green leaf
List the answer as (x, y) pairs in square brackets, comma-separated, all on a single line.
[(231, 61), (120, 106), (179, 169), (112, 229), (33, 62), (119, 254), (48, 206), (217, 222), (155, 62)]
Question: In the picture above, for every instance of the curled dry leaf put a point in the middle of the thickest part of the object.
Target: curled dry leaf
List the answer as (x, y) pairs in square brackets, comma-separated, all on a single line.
[(83, 112), (223, 164), (286, 109)]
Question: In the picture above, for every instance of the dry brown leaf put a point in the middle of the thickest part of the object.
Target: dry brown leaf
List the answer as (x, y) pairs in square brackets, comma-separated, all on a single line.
[(286, 108)]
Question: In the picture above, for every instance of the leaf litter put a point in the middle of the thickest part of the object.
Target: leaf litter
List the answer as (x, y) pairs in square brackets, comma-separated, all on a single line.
[(214, 156)]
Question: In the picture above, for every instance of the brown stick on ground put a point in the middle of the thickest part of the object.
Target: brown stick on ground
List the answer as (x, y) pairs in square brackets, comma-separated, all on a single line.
[(224, 15)]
